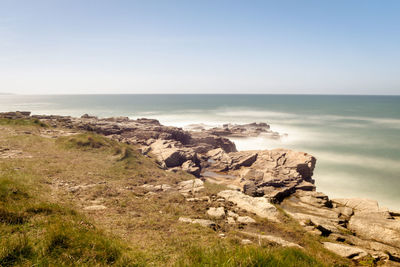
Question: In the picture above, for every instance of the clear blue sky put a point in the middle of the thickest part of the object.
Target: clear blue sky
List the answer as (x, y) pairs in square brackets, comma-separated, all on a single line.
[(82, 46)]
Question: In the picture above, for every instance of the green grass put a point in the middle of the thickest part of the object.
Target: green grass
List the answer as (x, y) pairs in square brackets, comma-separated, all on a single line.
[(24, 122), (87, 141), (34, 231), (247, 256)]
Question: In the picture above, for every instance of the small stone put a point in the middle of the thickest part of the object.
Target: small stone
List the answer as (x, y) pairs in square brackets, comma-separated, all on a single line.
[(246, 241), (95, 207), (217, 213)]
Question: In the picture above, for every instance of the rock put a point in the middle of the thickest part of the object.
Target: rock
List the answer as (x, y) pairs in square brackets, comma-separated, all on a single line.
[(95, 207), (258, 205), (377, 227), (198, 199), (359, 204), (231, 220), (234, 187), (185, 220), (274, 174), (345, 211), (246, 242), (202, 222), (232, 214), (325, 225), (345, 250), (199, 138), (245, 220), (273, 239), (217, 213), (155, 188), (240, 159), (242, 130), (190, 167), (192, 186), (313, 198)]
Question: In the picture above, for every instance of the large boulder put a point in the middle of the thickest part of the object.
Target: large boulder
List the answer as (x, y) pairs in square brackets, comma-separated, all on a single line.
[(171, 154)]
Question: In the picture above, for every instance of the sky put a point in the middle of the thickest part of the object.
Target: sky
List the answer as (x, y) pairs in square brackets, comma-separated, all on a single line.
[(260, 47)]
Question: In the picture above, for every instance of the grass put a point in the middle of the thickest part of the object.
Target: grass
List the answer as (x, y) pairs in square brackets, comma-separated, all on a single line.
[(35, 231), (42, 222), (247, 256), (23, 122)]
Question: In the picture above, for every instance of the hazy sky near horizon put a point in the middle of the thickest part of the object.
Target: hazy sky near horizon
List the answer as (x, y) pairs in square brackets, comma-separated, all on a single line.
[(298, 46)]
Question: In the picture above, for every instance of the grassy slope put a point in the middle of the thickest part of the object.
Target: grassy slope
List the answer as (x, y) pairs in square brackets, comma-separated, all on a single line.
[(42, 220)]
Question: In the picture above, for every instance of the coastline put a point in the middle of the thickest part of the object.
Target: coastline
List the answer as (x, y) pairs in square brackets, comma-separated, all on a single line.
[(282, 177)]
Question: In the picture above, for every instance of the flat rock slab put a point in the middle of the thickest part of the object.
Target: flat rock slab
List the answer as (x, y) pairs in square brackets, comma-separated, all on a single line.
[(345, 250), (193, 186), (257, 205), (95, 207), (375, 226), (245, 220), (202, 222), (274, 239)]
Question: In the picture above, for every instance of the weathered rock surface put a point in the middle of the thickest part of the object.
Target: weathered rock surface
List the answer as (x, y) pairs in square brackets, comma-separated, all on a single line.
[(245, 220), (202, 222), (237, 130), (217, 213), (345, 251), (190, 186), (95, 208), (274, 174), (273, 239), (359, 222), (257, 205)]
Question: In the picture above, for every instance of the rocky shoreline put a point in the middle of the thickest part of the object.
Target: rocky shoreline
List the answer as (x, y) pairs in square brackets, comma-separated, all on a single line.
[(258, 181)]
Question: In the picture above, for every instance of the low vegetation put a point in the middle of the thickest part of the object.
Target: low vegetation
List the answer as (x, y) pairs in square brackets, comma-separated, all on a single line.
[(45, 220)]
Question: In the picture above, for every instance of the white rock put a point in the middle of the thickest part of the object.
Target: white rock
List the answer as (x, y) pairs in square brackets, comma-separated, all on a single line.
[(245, 220), (258, 205), (345, 250), (232, 214), (231, 220), (193, 186), (246, 241), (202, 222), (95, 207), (217, 213), (273, 239)]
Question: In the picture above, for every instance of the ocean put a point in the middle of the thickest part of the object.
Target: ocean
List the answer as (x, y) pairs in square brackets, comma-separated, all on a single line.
[(356, 139)]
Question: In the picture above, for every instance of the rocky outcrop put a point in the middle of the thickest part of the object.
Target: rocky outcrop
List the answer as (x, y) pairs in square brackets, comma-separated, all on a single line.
[(172, 146), (237, 130), (366, 228), (274, 174)]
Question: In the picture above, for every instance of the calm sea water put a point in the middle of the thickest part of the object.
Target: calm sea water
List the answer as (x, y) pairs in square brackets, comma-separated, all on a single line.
[(356, 139)]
